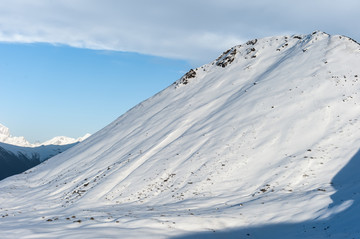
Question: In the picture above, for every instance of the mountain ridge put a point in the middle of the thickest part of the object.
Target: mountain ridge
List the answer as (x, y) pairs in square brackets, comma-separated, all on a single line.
[(7, 138), (18, 155)]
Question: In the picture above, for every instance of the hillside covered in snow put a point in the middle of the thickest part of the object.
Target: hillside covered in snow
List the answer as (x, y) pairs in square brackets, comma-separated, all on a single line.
[(260, 143)]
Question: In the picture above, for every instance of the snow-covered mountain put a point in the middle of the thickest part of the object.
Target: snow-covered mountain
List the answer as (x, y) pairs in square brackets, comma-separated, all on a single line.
[(17, 154), (7, 138), (63, 140), (16, 159), (260, 143)]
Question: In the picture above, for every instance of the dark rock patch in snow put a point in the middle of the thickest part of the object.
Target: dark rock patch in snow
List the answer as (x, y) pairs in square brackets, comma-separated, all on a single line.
[(185, 79), (252, 42), (226, 58)]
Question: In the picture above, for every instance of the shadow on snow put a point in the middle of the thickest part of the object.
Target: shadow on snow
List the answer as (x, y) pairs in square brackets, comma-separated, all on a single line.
[(344, 222)]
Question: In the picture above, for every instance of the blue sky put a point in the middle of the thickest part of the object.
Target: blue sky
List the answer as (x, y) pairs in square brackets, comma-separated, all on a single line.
[(51, 90), (71, 67)]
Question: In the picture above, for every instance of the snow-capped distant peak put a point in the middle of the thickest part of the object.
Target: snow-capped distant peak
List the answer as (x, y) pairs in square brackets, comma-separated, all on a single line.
[(4, 131), (84, 137), (5, 137), (62, 140)]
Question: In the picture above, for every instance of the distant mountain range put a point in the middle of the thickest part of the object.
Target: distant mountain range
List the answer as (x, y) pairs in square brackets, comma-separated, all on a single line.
[(7, 138), (17, 154), (262, 142)]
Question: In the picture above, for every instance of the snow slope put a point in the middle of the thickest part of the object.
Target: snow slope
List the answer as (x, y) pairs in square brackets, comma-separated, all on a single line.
[(261, 143)]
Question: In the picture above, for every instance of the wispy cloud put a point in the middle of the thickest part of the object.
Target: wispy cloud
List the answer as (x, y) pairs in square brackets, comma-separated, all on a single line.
[(192, 30)]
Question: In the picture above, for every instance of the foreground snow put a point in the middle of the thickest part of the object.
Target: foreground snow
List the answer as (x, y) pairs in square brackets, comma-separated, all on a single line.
[(261, 143)]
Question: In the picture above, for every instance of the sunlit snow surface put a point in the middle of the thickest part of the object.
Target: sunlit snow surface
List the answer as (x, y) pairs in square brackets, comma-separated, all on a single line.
[(264, 147)]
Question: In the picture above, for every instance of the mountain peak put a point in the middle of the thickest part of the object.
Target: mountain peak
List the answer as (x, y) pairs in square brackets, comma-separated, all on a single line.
[(4, 131), (6, 137), (276, 46), (62, 140)]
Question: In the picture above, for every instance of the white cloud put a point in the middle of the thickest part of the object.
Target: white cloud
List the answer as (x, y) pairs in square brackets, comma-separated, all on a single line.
[(194, 30)]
